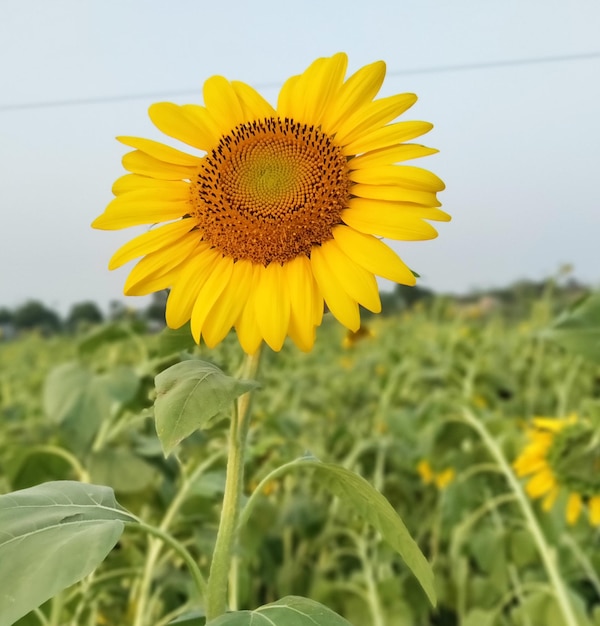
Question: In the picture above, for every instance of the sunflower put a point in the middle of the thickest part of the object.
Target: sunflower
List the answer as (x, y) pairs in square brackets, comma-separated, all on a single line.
[(563, 455), (281, 210), (440, 479)]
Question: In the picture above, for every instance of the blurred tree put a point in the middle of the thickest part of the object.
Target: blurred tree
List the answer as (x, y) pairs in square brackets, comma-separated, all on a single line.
[(34, 314), (155, 311), (6, 316), (84, 314)]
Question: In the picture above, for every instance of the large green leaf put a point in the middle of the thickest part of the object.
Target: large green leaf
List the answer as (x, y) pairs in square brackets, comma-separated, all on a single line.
[(354, 491), (51, 536), (289, 611), (189, 395), (578, 328)]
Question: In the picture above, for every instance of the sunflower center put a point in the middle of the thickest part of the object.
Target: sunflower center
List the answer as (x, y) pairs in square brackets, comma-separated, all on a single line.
[(574, 458), (270, 191)]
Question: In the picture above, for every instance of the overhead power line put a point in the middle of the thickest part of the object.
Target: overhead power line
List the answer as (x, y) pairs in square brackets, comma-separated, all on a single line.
[(439, 69)]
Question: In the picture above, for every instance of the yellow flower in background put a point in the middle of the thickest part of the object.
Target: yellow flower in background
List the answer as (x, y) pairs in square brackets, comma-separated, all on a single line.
[(280, 210), (353, 337), (563, 455), (440, 479)]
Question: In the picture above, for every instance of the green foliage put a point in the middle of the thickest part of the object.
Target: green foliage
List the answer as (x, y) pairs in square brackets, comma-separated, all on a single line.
[(52, 535), (81, 408), (190, 395), (290, 611), (578, 328), (355, 492)]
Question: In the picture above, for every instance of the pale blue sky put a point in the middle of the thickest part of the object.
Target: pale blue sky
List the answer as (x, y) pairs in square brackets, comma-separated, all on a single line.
[(519, 143)]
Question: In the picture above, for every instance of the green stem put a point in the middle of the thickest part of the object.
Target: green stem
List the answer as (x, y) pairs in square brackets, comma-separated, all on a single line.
[(276, 473), (154, 545), (177, 547), (547, 554), (216, 592)]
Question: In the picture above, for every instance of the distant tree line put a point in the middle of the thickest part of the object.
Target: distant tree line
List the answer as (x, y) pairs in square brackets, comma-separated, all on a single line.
[(34, 315)]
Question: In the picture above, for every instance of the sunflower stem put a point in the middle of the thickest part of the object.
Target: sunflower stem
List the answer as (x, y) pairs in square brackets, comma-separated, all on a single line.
[(547, 554), (216, 593)]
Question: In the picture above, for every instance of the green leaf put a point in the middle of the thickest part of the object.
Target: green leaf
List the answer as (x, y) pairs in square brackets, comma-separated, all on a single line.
[(189, 395), (51, 536), (289, 611), (74, 398), (578, 328), (370, 504)]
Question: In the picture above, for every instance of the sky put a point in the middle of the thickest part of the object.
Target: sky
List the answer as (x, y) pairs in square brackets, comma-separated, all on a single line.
[(512, 88)]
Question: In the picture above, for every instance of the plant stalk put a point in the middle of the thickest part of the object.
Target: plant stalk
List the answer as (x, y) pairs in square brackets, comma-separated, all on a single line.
[(216, 593), (547, 554)]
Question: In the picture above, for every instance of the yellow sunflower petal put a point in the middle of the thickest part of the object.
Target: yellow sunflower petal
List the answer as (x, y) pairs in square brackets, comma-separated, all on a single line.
[(304, 298), (373, 116), (373, 255), (246, 326), (319, 86), (574, 506), (179, 123), (540, 484), (148, 242), (152, 284), (405, 175), (286, 99), (340, 303), (390, 155), (141, 207), (254, 105), (444, 478), (229, 306), (384, 219), (272, 305), (549, 423), (387, 136), (528, 464), (209, 293), (357, 282), (406, 209), (135, 182), (193, 274), (159, 263), (425, 472), (355, 93), (223, 103), (140, 163), (594, 505), (160, 151), (395, 193)]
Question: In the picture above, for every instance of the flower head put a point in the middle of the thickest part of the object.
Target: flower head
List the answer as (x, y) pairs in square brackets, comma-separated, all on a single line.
[(563, 455), (280, 210)]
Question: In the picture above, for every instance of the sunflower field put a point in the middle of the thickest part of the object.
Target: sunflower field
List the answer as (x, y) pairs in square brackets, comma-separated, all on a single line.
[(438, 407)]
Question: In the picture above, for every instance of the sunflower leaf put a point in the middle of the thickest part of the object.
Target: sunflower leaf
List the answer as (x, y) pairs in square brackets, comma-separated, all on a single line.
[(289, 611), (354, 491), (51, 536), (189, 395), (578, 328)]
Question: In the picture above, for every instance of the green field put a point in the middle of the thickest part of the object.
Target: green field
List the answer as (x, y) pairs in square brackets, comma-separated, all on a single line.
[(426, 406)]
